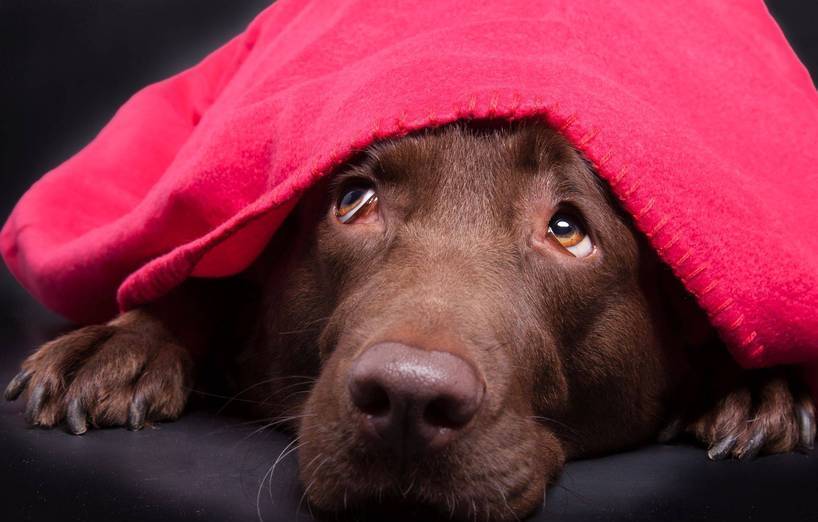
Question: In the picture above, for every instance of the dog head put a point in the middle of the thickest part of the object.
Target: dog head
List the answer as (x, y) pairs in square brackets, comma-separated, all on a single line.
[(475, 309)]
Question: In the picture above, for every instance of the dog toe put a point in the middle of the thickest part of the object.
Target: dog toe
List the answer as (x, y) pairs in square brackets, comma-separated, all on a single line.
[(17, 385), (721, 449), (76, 417), (806, 426)]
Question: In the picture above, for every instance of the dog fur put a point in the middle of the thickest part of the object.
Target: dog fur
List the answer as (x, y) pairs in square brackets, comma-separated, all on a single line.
[(579, 356)]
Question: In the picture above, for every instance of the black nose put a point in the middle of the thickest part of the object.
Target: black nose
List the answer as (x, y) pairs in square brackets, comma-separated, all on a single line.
[(414, 400)]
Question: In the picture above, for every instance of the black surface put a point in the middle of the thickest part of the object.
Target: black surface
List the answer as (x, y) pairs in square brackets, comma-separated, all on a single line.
[(213, 467), (65, 66)]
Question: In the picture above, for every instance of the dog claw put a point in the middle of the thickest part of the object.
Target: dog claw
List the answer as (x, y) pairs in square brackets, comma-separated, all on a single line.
[(76, 418), (722, 448), (754, 446), (35, 404), (136, 414), (806, 427), (17, 385)]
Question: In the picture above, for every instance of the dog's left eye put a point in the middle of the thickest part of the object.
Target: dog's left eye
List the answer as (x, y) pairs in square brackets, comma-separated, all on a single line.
[(570, 235), (356, 202)]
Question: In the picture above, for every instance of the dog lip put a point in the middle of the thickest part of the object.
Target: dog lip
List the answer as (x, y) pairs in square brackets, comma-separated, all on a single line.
[(413, 496)]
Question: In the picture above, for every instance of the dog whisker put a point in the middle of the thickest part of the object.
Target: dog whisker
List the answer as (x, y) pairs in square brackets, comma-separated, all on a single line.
[(238, 425), (295, 385), (235, 397), (307, 489), (550, 420), (503, 496), (219, 396), (270, 471), (302, 330), (290, 395), (307, 327), (258, 494), (293, 446), (277, 399), (272, 424), (405, 493)]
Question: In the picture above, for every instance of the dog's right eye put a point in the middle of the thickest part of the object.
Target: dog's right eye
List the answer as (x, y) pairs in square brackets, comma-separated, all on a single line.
[(355, 203), (568, 232)]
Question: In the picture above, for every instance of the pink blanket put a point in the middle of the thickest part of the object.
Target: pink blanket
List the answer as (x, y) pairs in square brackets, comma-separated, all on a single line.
[(697, 113)]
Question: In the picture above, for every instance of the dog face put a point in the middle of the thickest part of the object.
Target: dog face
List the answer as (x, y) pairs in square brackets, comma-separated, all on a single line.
[(474, 308)]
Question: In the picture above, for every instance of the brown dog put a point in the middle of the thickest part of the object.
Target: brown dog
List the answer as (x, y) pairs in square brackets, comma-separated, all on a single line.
[(443, 323)]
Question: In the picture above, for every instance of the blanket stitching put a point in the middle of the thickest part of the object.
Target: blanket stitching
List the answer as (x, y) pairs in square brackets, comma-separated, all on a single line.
[(646, 208), (658, 226), (735, 324), (710, 287), (685, 257), (727, 303), (672, 241), (698, 270)]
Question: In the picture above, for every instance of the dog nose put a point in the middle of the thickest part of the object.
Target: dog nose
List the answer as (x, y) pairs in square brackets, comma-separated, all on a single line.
[(414, 400)]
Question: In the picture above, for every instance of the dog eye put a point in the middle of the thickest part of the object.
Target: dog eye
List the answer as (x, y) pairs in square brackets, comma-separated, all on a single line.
[(569, 233), (355, 202)]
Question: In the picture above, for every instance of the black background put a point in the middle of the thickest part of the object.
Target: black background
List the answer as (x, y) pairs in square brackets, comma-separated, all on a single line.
[(65, 67)]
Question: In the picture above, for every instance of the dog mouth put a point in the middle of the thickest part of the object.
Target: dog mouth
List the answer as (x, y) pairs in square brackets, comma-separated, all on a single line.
[(480, 477), (402, 430), (414, 493)]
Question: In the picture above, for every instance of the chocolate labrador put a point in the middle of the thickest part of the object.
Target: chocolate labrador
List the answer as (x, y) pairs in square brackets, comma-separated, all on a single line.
[(443, 323)]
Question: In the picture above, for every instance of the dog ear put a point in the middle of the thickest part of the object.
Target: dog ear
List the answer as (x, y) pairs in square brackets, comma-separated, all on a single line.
[(296, 230), (686, 318)]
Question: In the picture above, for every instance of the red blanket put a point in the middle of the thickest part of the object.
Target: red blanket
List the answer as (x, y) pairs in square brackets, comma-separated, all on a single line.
[(697, 112)]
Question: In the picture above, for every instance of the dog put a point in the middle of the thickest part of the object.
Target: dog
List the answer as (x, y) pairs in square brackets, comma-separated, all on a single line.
[(442, 323)]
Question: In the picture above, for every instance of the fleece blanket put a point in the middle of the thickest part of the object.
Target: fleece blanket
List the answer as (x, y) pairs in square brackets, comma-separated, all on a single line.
[(697, 113)]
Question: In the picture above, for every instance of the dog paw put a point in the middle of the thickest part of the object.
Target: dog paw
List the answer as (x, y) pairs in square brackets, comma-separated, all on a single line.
[(124, 373), (768, 412)]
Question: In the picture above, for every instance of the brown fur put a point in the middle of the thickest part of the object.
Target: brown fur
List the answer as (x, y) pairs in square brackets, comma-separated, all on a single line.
[(579, 356)]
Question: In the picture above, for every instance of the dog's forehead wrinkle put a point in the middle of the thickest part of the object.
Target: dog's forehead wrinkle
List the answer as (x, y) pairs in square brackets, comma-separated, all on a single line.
[(452, 176), (467, 190), (566, 172)]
